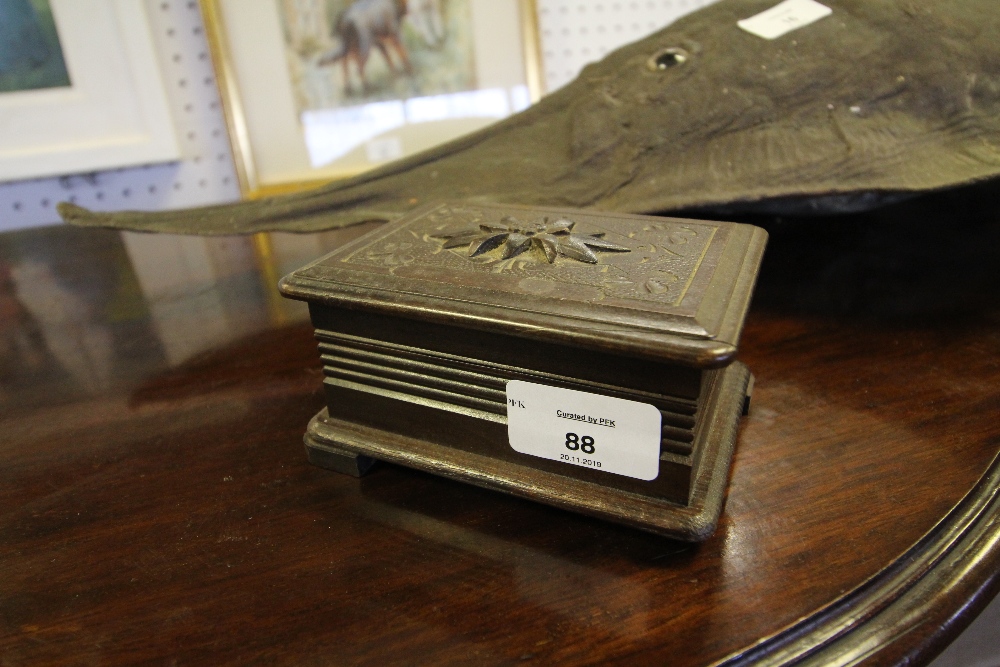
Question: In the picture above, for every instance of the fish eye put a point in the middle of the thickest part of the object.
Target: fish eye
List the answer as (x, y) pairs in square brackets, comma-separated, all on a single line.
[(664, 59)]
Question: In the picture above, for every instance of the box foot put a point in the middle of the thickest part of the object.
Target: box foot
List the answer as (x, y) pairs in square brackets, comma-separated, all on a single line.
[(338, 460)]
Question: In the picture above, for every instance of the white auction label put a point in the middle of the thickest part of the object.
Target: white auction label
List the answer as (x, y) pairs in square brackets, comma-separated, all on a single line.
[(784, 17), (582, 429)]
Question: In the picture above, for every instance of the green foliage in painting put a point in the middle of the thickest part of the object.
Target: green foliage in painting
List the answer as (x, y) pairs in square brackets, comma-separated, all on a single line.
[(30, 54)]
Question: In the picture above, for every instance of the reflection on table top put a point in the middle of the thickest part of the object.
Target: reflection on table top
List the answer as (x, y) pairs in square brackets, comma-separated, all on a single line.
[(157, 504)]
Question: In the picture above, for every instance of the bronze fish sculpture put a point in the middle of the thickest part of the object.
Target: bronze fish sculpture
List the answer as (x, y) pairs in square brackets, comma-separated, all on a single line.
[(881, 98)]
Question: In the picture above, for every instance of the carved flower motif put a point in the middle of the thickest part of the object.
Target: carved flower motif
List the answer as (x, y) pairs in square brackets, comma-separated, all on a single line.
[(551, 237)]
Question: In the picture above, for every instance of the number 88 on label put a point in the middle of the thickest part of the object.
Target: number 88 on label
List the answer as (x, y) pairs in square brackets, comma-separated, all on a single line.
[(584, 444)]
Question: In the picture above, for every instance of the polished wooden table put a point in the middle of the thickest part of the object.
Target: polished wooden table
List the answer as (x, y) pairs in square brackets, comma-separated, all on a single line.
[(156, 504)]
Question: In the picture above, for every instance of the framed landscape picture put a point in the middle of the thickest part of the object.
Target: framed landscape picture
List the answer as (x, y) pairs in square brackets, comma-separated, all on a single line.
[(80, 88), (316, 90)]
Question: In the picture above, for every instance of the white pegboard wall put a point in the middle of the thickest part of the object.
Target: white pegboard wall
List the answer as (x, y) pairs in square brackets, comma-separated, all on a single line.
[(574, 34), (204, 175)]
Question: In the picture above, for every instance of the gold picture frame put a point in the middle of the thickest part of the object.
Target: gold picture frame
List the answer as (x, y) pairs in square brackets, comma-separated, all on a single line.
[(267, 132)]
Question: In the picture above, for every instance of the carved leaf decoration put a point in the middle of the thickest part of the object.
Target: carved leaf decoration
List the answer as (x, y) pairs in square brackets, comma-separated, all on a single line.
[(515, 245), (492, 229), (576, 249), (489, 243), (549, 245), (601, 244), (453, 231), (463, 239), (561, 225), (551, 237)]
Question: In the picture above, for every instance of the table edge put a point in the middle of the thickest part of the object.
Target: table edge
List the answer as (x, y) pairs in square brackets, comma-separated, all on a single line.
[(937, 587)]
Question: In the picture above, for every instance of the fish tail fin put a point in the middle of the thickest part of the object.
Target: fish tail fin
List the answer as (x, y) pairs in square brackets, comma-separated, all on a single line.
[(247, 217)]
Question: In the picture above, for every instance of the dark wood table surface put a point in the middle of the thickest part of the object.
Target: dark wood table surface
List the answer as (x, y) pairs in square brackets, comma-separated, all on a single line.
[(156, 505)]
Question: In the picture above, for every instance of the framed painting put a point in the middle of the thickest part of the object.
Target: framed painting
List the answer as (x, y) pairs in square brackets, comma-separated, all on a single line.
[(316, 90), (80, 88)]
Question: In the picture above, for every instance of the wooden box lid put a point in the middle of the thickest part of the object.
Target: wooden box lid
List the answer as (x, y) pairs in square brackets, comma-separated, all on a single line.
[(668, 289)]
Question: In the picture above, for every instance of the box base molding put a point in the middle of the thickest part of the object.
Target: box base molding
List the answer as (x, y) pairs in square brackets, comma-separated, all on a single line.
[(352, 449)]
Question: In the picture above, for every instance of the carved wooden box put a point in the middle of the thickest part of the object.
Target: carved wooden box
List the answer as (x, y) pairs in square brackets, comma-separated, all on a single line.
[(423, 324)]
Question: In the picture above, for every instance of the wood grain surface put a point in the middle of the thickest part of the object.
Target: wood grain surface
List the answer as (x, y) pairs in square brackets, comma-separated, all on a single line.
[(156, 509)]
